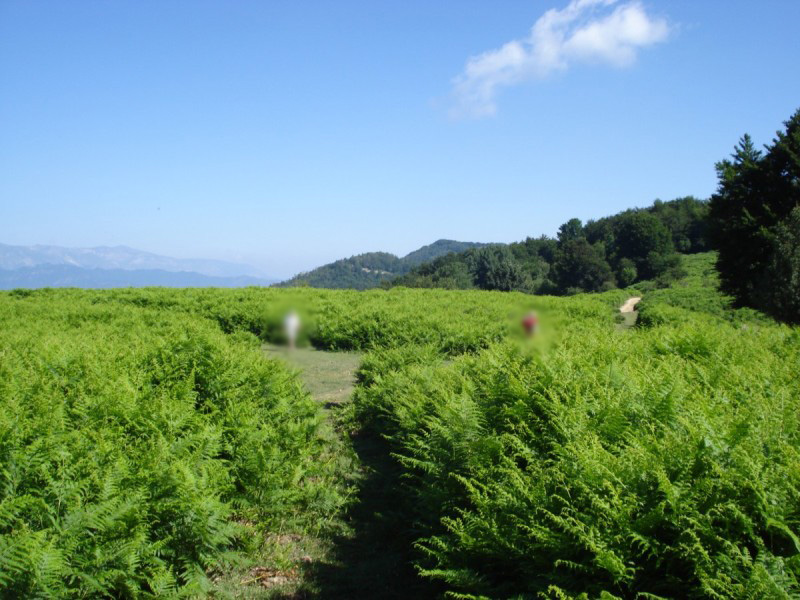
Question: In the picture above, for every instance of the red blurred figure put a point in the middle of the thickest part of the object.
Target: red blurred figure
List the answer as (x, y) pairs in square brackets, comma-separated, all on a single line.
[(530, 323)]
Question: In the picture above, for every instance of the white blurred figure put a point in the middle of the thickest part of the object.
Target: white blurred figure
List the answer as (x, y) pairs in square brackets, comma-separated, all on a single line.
[(291, 326)]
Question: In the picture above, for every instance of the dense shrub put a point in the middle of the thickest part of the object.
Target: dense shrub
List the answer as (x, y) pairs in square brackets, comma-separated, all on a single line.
[(133, 441), (142, 430), (661, 463)]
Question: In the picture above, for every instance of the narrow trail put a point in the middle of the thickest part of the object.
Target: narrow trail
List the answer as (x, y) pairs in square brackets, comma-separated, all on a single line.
[(300, 561), (630, 304), (629, 313), (328, 376), (369, 557)]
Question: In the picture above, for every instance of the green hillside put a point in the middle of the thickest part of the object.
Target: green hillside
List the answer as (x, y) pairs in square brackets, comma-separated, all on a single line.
[(698, 290), (616, 251), (437, 249), (369, 270)]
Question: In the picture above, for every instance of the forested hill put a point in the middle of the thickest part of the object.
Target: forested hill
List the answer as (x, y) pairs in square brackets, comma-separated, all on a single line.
[(752, 221), (437, 249), (369, 270), (615, 251)]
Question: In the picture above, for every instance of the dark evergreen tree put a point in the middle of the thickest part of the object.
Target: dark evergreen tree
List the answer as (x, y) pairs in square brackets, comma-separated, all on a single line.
[(752, 223), (784, 269), (736, 218)]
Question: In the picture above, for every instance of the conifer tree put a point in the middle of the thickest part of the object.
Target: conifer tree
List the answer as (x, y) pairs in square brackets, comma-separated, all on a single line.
[(751, 225)]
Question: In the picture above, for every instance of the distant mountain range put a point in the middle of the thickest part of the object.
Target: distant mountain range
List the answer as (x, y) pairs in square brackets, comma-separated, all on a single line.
[(369, 270), (116, 257), (117, 266), (121, 266), (69, 276)]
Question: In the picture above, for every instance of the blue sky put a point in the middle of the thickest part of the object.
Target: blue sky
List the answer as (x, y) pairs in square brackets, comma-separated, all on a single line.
[(290, 133)]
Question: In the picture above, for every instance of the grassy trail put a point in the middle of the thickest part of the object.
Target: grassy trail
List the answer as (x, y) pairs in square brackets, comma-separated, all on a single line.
[(288, 564), (329, 376), (629, 313), (368, 557)]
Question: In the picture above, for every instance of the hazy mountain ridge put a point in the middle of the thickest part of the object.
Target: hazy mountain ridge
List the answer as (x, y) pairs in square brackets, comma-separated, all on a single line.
[(117, 257), (370, 269), (50, 275)]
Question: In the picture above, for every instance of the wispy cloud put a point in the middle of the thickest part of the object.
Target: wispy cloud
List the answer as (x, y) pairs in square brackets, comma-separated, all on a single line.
[(586, 31)]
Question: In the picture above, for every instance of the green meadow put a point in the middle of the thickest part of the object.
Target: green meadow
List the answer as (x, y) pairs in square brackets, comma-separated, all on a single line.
[(159, 443)]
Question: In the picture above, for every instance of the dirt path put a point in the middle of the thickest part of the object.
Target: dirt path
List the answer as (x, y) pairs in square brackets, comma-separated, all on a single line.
[(628, 312), (630, 305), (329, 376)]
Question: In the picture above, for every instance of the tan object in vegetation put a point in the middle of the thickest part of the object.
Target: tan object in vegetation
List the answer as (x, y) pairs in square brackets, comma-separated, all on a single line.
[(630, 304)]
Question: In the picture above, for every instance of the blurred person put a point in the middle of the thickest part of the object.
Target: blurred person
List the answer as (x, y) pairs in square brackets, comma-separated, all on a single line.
[(291, 326), (530, 323)]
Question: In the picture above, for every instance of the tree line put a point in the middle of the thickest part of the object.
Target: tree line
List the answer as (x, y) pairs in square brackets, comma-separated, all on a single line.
[(369, 270), (752, 221), (615, 251)]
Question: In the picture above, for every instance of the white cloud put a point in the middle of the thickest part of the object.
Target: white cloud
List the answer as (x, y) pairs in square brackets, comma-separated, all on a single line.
[(586, 31)]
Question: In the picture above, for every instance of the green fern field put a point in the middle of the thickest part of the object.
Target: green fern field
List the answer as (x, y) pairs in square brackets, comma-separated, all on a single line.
[(146, 439), (136, 442)]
